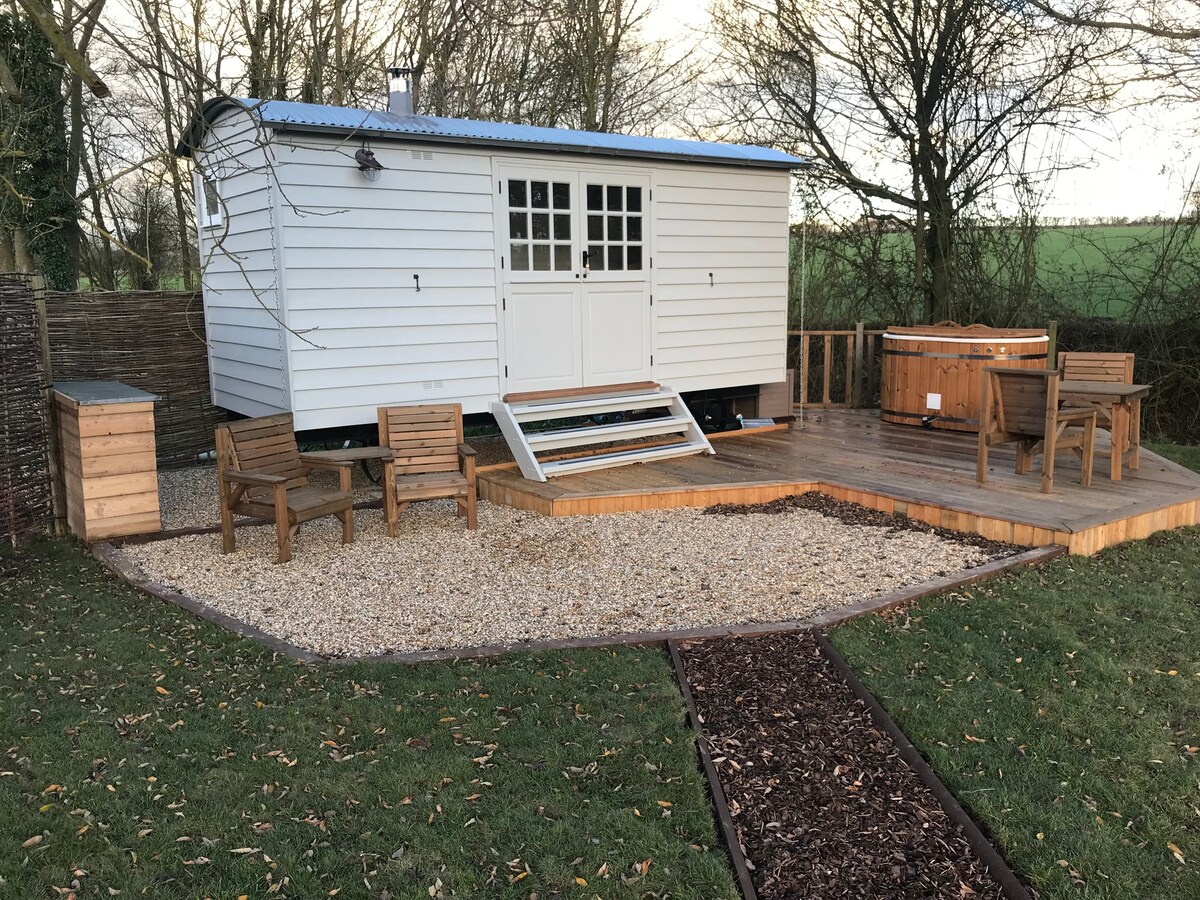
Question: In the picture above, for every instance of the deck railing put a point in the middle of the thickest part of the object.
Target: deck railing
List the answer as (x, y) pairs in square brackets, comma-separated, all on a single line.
[(836, 369)]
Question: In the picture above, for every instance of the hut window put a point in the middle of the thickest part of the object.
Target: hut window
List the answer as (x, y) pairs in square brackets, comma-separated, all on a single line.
[(209, 202), (539, 225), (614, 227)]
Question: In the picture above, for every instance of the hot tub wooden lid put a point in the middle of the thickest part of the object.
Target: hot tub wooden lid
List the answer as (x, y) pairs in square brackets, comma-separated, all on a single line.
[(970, 332)]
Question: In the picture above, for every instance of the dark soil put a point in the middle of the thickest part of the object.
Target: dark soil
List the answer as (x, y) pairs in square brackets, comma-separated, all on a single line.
[(853, 514), (823, 803)]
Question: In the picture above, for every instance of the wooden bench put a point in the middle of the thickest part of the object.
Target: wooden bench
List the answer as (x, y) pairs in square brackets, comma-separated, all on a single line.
[(261, 473), (428, 459), (1021, 406)]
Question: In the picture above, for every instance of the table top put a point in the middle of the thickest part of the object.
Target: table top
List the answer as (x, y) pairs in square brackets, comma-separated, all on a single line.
[(352, 454), (1100, 390), (100, 393)]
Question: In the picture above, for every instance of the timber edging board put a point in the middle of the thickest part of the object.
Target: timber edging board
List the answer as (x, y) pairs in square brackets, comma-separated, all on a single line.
[(737, 853), (124, 567), (997, 866), (1086, 541)]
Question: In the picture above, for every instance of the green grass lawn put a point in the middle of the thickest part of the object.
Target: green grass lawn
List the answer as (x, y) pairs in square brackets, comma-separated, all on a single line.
[(1184, 454), (153, 754), (1061, 705)]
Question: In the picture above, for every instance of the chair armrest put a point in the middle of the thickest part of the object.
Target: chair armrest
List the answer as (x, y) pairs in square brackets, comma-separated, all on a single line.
[(465, 450), (252, 479), (310, 461)]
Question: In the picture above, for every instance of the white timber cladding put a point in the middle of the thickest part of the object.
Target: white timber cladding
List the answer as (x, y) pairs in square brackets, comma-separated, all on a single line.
[(334, 256), (247, 364), (361, 334), (730, 329)]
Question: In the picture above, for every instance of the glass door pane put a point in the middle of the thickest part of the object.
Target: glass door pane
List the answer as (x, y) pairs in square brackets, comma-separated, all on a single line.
[(614, 227), (539, 225)]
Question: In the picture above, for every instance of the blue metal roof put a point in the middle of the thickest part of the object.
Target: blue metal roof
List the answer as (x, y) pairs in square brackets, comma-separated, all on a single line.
[(287, 116)]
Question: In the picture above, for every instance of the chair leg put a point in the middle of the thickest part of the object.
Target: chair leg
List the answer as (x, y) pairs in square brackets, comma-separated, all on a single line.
[(228, 541), (472, 517), (981, 458), (1049, 448), (469, 472), (1089, 453), (390, 513), (347, 517), (283, 531), (1135, 436)]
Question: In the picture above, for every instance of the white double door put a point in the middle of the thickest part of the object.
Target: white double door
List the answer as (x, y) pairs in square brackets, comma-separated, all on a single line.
[(575, 265)]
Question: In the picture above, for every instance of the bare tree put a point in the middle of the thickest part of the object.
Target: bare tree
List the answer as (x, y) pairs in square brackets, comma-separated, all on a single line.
[(921, 108)]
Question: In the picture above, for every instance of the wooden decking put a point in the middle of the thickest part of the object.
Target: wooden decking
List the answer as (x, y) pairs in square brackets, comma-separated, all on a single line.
[(851, 455)]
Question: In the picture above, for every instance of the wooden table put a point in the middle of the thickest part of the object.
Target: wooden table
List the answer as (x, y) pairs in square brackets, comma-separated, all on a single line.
[(1121, 404)]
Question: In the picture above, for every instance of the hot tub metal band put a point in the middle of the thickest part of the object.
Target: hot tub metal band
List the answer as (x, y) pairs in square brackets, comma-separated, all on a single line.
[(932, 414), (928, 355)]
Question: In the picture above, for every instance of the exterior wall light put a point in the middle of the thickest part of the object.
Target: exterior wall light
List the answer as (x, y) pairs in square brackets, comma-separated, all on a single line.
[(368, 164)]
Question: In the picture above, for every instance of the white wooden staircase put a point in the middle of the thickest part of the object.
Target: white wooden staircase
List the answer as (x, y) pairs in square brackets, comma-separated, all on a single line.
[(655, 411)]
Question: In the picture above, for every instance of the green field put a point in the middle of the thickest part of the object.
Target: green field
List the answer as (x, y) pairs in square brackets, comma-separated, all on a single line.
[(1109, 271)]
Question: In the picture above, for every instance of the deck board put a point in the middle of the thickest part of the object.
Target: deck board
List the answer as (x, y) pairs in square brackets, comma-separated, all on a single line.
[(925, 474)]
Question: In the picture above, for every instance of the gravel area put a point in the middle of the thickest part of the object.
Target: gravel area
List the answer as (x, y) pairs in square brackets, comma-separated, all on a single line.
[(523, 577)]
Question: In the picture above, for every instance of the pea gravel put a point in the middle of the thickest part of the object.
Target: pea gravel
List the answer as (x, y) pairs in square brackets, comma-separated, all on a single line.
[(523, 577)]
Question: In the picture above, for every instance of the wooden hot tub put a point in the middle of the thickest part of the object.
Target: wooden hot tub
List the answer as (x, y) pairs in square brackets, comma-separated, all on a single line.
[(934, 370)]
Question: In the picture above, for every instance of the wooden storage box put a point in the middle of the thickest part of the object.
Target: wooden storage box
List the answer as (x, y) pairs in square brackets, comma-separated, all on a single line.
[(106, 438)]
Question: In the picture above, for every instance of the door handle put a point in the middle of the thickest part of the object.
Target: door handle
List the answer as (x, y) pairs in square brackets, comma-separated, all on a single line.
[(586, 268)]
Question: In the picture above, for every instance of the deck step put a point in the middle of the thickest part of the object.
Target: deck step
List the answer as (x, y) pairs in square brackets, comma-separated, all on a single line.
[(676, 420), (588, 406), (616, 458), (599, 434)]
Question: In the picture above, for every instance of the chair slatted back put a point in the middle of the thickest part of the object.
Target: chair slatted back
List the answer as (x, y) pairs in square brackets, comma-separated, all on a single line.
[(422, 438), (1021, 399), (1116, 368), (262, 446)]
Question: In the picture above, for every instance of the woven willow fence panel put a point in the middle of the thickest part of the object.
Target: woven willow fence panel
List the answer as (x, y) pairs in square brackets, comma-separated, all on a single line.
[(152, 340), (24, 479)]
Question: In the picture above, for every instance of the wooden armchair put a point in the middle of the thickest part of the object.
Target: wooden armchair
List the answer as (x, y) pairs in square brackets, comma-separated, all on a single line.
[(1021, 406), (262, 473), (429, 459)]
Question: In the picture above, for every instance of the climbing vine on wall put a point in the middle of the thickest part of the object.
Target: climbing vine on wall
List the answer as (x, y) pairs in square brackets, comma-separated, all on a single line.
[(38, 211)]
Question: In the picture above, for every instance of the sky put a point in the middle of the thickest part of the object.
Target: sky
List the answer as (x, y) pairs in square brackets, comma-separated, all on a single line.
[(1139, 163)]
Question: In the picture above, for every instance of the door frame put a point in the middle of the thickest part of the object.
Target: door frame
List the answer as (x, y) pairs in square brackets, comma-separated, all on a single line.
[(577, 167)]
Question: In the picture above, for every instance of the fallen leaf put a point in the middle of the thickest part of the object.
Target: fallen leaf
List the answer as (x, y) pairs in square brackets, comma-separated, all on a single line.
[(582, 882), (32, 842), (974, 740), (1177, 853), (163, 691)]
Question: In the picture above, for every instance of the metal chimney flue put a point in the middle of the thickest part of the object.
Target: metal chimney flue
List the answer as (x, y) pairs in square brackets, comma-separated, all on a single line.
[(400, 98)]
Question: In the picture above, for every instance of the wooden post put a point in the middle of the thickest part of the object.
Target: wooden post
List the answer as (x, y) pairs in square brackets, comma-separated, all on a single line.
[(57, 505), (804, 350), (871, 366), (857, 395), (828, 370), (848, 390), (1052, 346)]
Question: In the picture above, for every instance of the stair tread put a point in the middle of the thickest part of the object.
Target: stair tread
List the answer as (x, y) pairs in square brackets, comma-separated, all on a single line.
[(601, 460), (612, 428)]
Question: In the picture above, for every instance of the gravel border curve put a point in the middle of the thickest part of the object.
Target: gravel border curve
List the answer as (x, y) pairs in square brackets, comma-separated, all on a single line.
[(522, 577)]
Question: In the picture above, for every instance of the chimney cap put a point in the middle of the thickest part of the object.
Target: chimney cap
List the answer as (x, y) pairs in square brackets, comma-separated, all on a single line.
[(398, 71)]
